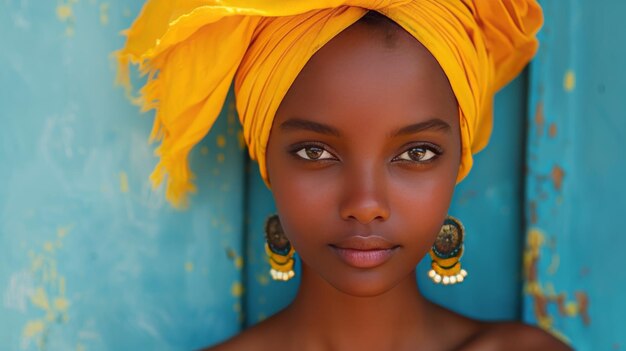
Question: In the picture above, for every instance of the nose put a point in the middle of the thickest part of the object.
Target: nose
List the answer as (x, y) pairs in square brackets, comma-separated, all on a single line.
[(364, 197)]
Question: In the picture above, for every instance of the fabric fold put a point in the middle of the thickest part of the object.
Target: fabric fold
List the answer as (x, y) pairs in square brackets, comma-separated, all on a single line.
[(192, 51)]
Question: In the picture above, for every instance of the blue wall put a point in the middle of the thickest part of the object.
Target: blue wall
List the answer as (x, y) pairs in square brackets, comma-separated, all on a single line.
[(575, 194), (92, 259)]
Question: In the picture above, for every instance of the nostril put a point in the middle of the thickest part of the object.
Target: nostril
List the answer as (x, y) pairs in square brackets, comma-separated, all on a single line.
[(367, 215)]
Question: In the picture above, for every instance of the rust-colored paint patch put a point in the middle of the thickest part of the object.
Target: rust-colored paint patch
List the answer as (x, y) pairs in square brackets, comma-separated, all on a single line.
[(543, 295), (552, 130), (220, 141), (583, 307), (557, 176), (230, 253), (539, 118)]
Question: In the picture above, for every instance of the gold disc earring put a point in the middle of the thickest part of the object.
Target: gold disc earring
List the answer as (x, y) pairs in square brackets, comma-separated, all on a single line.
[(446, 253), (279, 250)]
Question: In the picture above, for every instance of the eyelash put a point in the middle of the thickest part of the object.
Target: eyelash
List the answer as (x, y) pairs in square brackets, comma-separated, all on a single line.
[(425, 147)]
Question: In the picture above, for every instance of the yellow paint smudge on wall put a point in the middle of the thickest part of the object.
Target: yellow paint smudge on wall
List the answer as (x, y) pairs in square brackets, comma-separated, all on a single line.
[(61, 304), (189, 266), (220, 157), (81, 347), (49, 294), (33, 328), (239, 262), (64, 12), (40, 299), (48, 246), (571, 308), (569, 81), (204, 151), (237, 289), (124, 182), (63, 231), (241, 139), (221, 141), (104, 13)]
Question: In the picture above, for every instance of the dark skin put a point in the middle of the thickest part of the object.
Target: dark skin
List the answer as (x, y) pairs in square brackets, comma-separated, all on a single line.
[(367, 143)]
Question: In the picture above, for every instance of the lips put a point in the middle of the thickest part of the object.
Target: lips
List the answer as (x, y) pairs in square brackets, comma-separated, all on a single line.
[(364, 251)]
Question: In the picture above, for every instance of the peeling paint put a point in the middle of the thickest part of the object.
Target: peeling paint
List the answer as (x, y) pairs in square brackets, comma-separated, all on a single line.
[(65, 14), (104, 13), (49, 294), (237, 289), (124, 182), (557, 176), (543, 295), (220, 141), (552, 130), (189, 266), (569, 81), (539, 119)]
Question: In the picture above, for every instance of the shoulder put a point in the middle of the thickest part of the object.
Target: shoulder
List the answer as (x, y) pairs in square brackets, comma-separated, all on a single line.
[(249, 339), (263, 336), (513, 336)]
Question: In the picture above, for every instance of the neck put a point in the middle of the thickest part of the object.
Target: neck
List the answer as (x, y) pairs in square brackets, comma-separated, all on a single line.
[(326, 318)]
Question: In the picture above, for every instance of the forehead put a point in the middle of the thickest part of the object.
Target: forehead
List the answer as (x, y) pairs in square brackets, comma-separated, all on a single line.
[(361, 76)]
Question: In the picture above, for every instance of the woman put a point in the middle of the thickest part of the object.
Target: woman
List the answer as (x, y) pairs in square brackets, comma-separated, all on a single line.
[(363, 116)]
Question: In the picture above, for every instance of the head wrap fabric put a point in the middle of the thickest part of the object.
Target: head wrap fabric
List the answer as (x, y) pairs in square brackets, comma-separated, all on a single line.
[(193, 49)]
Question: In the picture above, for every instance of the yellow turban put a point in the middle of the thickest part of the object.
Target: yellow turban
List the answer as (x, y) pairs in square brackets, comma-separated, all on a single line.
[(193, 49)]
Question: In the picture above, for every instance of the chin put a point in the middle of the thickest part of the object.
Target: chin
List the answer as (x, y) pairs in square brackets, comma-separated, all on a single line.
[(363, 284)]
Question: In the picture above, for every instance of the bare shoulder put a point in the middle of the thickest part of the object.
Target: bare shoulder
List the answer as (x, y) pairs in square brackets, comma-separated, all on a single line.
[(513, 336), (262, 336)]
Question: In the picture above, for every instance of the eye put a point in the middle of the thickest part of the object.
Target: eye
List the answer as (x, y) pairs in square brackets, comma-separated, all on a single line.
[(419, 154), (314, 153)]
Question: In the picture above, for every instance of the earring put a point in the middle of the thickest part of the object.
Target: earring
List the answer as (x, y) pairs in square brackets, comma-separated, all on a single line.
[(279, 250), (446, 253)]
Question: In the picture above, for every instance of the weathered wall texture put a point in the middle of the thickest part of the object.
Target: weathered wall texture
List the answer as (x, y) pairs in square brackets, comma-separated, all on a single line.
[(92, 259), (575, 194)]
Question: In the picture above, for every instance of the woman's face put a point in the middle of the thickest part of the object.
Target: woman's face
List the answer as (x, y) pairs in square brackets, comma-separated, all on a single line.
[(363, 158)]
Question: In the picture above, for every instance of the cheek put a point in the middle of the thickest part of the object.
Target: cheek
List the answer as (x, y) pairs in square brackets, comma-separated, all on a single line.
[(304, 204)]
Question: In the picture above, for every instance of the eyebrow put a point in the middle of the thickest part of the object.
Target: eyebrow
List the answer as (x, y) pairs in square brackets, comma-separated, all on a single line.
[(302, 124), (431, 124)]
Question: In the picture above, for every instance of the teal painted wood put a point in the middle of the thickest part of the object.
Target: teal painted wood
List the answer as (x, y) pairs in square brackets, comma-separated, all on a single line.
[(576, 170), (264, 296), (90, 257), (489, 204)]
